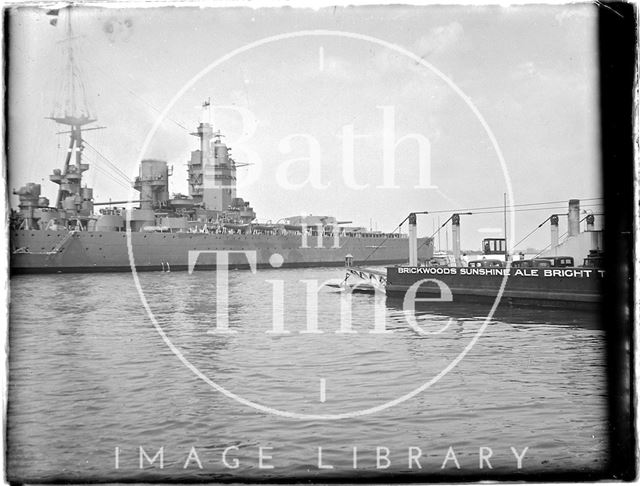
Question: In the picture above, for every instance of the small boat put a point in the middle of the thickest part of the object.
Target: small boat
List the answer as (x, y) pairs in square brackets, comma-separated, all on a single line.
[(356, 288), (552, 278)]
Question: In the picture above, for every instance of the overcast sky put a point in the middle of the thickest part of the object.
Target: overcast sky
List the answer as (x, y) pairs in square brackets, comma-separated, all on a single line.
[(530, 71)]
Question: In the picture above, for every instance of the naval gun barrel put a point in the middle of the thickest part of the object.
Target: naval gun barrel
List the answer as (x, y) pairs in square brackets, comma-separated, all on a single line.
[(121, 202)]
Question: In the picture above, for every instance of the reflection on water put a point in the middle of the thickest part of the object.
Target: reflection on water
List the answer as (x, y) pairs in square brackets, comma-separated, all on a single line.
[(89, 373)]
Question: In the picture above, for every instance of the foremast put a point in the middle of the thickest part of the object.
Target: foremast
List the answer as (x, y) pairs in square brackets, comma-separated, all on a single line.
[(72, 110)]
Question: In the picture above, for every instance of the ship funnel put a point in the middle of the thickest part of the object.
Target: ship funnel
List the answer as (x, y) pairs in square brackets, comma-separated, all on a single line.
[(153, 183), (574, 217), (413, 241), (455, 236), (555, 240)]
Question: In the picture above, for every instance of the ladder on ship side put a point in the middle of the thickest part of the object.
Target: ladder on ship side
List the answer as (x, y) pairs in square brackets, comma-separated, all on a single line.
[(56, 249)]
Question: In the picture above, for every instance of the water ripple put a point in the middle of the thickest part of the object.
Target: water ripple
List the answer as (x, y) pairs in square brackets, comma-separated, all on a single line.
[(88, 373)]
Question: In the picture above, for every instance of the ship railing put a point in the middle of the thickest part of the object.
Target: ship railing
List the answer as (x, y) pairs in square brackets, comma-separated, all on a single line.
[(376, 277)]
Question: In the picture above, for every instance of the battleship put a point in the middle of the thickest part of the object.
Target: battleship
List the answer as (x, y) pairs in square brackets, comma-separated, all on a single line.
[(78, 234), (70, 237)]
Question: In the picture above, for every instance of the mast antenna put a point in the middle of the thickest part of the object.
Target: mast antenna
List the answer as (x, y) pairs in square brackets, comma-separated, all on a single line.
[(207, 112)]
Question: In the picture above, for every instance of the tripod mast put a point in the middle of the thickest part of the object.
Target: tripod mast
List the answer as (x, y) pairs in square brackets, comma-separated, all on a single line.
[(71, 109)]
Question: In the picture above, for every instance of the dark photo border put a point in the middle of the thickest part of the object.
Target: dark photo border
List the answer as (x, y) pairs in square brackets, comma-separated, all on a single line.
[(617, 23), (618, 71)]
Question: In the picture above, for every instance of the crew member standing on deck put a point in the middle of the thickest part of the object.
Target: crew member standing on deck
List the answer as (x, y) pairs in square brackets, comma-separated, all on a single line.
[(465, 260)]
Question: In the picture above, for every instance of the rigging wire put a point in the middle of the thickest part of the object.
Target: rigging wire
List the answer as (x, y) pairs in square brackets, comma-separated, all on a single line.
[(97, 164), (560, 237), (99, 168), (538, 209), (534, 230), (541, 224), (111, 176), (115, 177), (382, 242), (108, 162), (387, 237), (549, 246), (501, 208), (120, 183), (523, 209), (129, 90), (114, 180)]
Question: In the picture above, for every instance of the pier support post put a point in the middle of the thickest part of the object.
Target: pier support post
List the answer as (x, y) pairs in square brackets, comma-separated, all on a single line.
[(574, 217), (413, 241), (595, 235), (348, 261), (555, 240), (455, 235)]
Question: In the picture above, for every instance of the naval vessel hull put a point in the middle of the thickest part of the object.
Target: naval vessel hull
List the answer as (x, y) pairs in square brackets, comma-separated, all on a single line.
[(41, 251)]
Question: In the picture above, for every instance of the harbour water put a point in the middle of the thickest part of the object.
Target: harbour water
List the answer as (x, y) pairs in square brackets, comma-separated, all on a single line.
[(92, 381)]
